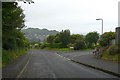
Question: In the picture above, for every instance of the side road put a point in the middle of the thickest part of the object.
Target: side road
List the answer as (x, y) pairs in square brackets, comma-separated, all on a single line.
[(87, 59)]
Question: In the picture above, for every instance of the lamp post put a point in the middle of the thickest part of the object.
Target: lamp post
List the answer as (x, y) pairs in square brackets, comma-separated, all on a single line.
[(102, 24)]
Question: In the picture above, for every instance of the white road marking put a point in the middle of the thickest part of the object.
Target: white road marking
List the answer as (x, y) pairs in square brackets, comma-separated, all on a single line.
[(18, 76), (63, 57)]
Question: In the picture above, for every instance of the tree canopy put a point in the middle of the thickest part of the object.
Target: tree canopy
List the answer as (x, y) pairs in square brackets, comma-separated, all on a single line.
[(65, 37), (91, 38), (75, 37), (12, 22)]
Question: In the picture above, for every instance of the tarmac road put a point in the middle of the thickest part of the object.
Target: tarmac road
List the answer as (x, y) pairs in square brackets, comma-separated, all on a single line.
[(48, 64)]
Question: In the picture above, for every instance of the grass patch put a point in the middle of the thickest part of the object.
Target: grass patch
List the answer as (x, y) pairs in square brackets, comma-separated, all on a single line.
[(9, 56), (107, 56)]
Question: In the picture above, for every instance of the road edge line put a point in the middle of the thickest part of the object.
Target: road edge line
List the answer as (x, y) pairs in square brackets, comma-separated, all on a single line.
[(23, 69)]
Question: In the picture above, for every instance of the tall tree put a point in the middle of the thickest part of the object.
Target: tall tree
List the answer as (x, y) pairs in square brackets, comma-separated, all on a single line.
[(12, 23), (64, 37), (12, 16), (91, 38)]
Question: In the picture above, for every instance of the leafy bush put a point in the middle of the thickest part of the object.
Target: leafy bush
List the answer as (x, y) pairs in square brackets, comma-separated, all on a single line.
[(106, 38), (79, 44), (113, 49), (43, 45)]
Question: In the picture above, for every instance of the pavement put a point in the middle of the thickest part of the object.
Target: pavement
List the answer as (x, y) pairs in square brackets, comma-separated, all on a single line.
[(87, 58), (49, 64)]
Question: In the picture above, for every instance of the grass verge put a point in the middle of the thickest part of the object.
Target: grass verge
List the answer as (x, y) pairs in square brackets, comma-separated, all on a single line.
[(107, 56), (9, 56)]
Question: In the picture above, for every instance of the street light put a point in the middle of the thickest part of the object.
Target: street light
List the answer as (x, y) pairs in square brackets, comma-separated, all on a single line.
[(102, 23)]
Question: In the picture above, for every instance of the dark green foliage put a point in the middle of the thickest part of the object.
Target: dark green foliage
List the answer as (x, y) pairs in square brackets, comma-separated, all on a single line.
[(50, 39), (91, 38), (65, 40), (12, 16), (74, 37), (21, 40), (57, 38), (9, 43), (64, 37), (106, 38), (12, 23), (79, 44), (60, 40)]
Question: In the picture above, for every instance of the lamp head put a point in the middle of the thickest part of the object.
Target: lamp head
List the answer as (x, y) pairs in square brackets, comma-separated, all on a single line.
[(99, 19)]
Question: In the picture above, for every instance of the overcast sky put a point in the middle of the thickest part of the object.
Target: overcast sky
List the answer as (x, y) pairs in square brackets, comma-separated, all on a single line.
[(79, 16)]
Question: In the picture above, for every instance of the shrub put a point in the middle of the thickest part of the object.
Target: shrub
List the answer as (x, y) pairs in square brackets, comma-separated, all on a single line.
[(79, 44), (106, 38), (42, 46)]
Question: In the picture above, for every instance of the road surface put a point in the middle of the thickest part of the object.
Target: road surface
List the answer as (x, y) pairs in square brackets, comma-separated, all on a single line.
[(48, 64)]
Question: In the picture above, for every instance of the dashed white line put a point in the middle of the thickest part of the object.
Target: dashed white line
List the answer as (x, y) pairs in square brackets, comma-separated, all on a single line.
[(63, 57)]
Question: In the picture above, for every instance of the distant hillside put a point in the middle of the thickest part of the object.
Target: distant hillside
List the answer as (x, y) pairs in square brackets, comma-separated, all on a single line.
[(35, 34)]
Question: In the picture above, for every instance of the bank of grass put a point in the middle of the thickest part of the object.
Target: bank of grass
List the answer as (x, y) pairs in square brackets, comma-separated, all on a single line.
[(113, 57), (9, 56)]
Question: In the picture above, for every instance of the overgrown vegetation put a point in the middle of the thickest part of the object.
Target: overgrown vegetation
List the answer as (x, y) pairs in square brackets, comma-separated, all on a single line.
[(107, 56), (79, 44), (111, 51), (65, 39), (14, 42), (106, 38), (9, 56)]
